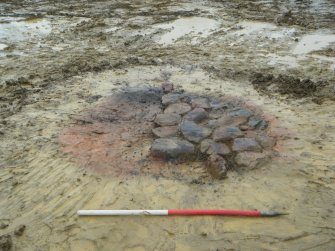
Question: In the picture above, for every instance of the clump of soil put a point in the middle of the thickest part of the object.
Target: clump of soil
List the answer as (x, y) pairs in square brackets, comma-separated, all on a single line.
[(6, 242), (143, 131), (293, 87)]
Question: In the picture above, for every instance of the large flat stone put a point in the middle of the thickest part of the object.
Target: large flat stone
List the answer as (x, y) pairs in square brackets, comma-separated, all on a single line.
[(229, 121), (197, 115), (226, 133), (171, 98), (165, 131), (194, 132), (210, 147), (241, 113), (200, 103), (178, 108), (168, 119), (167, 148), (246, 144)]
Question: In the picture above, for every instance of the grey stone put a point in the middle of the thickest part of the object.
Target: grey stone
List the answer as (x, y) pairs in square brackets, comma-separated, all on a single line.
[(165, 131), (251, 159), (197, 115), (168, 148), (213, 123), (200, 103), (254, 121), (231, 121), (194, 132), (226, 133), (217, 104), (265, 141), (179, 108), (168, 119), (209, 146), (216, 166), (171, 98), (246, 144), (258, 123), (241, 113)]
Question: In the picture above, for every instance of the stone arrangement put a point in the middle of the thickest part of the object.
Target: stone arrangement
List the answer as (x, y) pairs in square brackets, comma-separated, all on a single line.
[(223, 133)]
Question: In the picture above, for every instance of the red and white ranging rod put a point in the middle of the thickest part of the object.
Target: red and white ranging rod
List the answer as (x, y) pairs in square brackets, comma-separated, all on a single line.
[(185, 212)]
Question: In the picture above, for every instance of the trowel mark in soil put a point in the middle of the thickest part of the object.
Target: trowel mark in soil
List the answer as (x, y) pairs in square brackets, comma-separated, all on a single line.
[(144, 131)]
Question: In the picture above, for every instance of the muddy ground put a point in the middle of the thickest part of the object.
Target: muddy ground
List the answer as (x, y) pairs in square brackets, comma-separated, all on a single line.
[(60, 60)]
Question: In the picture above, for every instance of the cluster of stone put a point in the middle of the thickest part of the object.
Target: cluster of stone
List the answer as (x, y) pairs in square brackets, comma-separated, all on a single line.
[(227, 135)]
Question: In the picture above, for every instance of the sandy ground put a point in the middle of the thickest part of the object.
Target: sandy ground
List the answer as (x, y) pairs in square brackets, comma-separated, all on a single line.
[(58, 60)]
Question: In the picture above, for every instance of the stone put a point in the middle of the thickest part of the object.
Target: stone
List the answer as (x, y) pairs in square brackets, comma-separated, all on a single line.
[(200, 103), (213, 123), (6, 242), (209, 146), (165, 131), (216, 166), (197, 115), (254, 121), (251, 159), (194, 132), (167, 119), (171, 98), (167, 87), (265, 141), (172, 148), (179, 108), (231, 121), (216, 114), (257, 123), (226, 133), (241, 113), (217, 104), (19, 230), (246, 144)]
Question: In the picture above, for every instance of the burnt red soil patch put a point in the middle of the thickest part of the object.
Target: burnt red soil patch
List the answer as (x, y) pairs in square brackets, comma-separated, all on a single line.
[(148, 132)]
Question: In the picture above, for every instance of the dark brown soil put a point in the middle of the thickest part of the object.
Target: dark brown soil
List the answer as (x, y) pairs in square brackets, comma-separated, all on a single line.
[(293, 87)]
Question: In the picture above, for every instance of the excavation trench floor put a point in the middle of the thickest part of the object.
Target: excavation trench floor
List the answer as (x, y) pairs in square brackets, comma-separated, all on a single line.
[(61, 61)]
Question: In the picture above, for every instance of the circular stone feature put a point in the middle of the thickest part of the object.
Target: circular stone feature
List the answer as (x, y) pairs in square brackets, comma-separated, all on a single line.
[(168, 148), (209, 146), (246, 144), (179, 108), (200, 103), (194, 132), (167, 119), (216, 166), (197, 115), (165, 131), (226, 133)]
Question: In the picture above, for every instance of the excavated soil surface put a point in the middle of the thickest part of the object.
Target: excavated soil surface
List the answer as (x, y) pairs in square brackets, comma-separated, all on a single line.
[(74, 135)]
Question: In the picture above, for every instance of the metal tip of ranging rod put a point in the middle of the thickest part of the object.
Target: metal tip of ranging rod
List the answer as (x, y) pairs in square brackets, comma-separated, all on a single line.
[(272, 214)]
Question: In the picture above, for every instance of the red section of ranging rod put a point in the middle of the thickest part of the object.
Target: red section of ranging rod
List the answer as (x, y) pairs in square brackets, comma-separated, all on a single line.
[(215, 212)]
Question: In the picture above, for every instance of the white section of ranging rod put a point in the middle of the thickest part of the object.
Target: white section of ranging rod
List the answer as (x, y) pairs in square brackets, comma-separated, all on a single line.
[(121, 212)]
